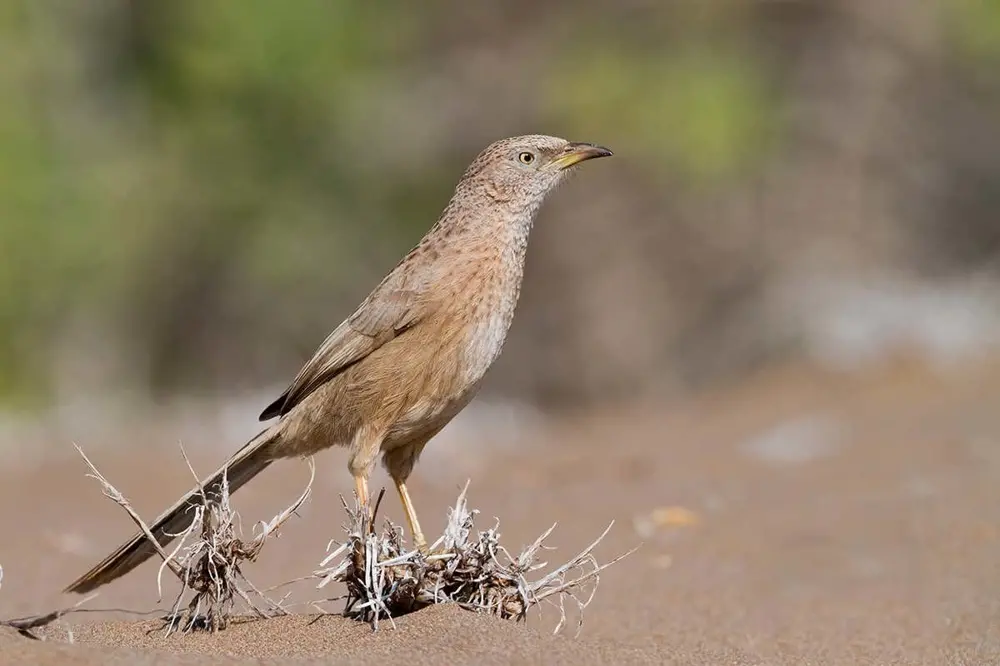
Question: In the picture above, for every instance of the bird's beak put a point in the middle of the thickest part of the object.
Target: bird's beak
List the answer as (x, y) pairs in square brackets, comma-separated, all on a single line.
[(574, 153)]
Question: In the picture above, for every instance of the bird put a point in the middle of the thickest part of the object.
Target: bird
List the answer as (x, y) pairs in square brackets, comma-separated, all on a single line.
[(411, 356)]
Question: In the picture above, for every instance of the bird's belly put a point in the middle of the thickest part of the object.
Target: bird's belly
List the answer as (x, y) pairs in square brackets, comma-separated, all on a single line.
[(457, 380), (425, 418)]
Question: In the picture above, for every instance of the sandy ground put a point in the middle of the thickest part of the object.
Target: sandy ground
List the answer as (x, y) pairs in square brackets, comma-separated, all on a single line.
[(796, 518)]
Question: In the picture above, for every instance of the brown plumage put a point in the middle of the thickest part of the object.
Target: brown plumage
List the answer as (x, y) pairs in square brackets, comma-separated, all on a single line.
[(413, 354)]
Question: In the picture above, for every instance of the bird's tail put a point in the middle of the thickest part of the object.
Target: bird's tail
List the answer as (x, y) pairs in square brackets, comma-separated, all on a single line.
[(245, 464)]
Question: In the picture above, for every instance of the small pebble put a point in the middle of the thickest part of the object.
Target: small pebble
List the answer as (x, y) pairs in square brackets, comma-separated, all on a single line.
[(662, 561), (665, 516)]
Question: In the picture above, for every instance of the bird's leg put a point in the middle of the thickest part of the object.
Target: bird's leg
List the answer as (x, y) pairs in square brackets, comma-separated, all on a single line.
[(365, 446), (361, 490), (399, 463), (411, 516)]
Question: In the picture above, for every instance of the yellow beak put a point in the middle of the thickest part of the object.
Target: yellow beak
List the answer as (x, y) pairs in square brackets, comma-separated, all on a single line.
[(574, 153)]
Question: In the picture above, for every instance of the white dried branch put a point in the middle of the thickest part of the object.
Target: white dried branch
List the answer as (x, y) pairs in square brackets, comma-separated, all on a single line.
[(472, 568), (113, 493), (209, 556)]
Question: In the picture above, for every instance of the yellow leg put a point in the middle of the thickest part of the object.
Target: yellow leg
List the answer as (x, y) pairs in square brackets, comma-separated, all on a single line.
[(411, 517), (361, 489)]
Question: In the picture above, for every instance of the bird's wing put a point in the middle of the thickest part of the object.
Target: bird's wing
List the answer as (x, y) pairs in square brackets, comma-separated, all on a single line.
[(387, 312)]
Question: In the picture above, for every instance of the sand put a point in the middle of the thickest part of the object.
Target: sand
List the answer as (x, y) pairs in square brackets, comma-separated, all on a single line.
[(796, 518)]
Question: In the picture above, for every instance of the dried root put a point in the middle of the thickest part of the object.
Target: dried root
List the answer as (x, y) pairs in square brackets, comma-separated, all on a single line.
[(385, 580), (208, 558), (25, 625)]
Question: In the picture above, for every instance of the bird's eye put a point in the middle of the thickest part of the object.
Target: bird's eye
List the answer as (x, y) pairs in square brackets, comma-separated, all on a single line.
[(526, 158)]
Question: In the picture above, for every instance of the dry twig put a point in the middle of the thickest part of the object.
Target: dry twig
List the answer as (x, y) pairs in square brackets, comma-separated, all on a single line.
[(24, 625), (385, 580), (209, 556)]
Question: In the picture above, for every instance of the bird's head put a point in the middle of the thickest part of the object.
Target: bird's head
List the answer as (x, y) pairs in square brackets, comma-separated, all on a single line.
[(521, 170)]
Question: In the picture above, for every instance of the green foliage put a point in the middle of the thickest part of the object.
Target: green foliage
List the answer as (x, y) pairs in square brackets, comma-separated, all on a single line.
[(171, 170), (221, 157), (704, 112), (976, 27), (43, 240)]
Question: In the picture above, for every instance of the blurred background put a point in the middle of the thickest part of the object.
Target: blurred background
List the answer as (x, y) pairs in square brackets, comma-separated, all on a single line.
[(764, 337), (192, 194)]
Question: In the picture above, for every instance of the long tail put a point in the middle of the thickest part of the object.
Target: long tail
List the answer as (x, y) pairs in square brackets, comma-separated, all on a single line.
[(245, 464)]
